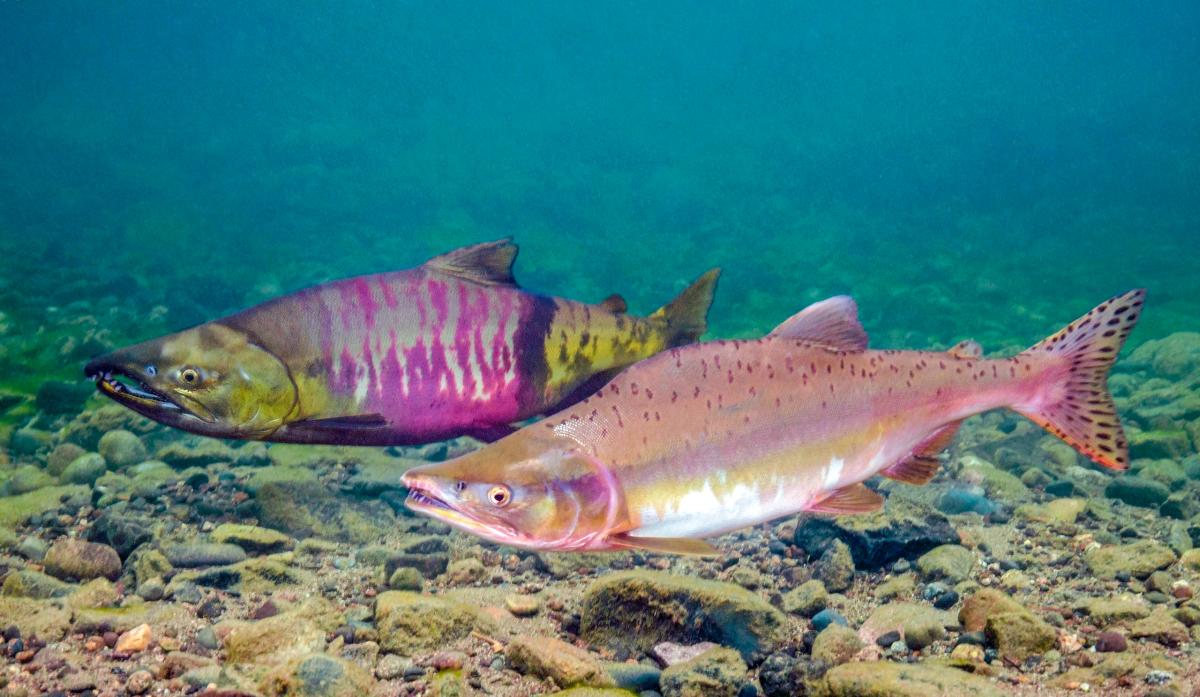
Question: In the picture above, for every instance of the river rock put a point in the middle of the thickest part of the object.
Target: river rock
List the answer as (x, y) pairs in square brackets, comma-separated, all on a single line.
[(836, 645), (1138, 559), (62, 455), (565, 664), (410, 623), (85, 469), (69, 558), (718, 672), (26, 479), (47, 620), (953, 563), (918, 625), (1136, 491), (634, 610), (122, 449), (900, 529), (888, 679), (1161, 627), (203, 554), (252, 538), (835, 568), (283, 637), (983, 604), (1018, 635), (807, 599), (27, 583), (318, 675)]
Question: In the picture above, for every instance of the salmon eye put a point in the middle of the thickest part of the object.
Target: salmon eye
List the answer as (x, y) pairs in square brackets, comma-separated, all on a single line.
[(190, 376), (499, 495)]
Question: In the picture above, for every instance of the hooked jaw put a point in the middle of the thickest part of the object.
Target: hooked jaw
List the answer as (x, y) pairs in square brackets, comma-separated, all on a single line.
[(130, 384), (439, 499)]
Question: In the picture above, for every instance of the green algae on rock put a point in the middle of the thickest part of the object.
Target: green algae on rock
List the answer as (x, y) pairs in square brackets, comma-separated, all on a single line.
[(836, 644), (634, 610), (409, 623), (718, 672), (1138, 559), (317, 675), (887, 679), (952, 563)]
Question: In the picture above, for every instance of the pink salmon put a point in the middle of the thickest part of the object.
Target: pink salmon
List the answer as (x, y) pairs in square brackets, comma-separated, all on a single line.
[(452, 347), (708, 438)]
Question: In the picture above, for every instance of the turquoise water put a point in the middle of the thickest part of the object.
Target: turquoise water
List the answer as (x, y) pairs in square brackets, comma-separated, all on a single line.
[(986, 170), (983, 170)]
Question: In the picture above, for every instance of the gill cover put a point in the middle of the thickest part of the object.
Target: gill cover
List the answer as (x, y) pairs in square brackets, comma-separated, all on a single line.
[(242, 385)]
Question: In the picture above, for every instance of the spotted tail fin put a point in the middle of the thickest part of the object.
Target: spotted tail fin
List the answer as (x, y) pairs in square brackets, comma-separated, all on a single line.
[(1077, 406)]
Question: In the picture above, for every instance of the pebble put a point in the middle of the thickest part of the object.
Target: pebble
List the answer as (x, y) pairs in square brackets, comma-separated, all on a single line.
[(391, 667), (522, 605), (135, 640), (888, 638), (1110, 642), (207, 638), (946, 600), (139, 682), (826, 617)]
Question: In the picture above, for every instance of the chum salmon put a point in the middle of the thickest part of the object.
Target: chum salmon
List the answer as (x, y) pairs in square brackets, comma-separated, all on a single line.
[(708, 438), (452, 347)]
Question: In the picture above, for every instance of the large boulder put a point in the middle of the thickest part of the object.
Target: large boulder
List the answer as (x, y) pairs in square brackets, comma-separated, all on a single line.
[(718, 672), (634, 610)]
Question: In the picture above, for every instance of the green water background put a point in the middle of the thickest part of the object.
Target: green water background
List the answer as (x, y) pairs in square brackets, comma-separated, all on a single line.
[(975, 169)]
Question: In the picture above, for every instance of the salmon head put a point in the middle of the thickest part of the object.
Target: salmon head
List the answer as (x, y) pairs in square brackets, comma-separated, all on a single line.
[(525, 492), (212, 379)]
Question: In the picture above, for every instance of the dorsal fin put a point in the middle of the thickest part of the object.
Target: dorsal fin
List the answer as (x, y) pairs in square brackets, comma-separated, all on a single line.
[(855, 498), (489, 263), (614, 304), (833, 323), (922, 463), (967, 348)]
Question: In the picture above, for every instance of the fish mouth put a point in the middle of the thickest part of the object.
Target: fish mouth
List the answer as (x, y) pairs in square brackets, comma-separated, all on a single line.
[(127, 387), (425, 497)]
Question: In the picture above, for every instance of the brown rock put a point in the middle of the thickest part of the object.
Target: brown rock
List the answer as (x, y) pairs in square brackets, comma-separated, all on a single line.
[(135, 640), (69, 558), (983, 604), (556, 660)]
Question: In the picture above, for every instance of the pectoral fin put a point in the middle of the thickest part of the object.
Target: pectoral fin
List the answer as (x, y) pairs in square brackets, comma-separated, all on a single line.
[(856, 498), (666, 545), (922, 464)]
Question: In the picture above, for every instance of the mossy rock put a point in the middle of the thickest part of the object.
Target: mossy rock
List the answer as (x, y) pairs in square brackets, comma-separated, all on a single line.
[(27, 583), (126, 617), (252, 538), (317, 675), (284, 637), (953, 563), (836, 644), (27, 479), (48, 620), (634, 610), (1019, 635), (1138, 559), (807, 599), (15, 510), (1105, 611), (979, 606), (410, 623), (887, 679), (718, 672)]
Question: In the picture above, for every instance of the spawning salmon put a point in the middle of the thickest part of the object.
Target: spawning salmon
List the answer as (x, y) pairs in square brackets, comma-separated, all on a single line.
[(452, 347), (705, 439)]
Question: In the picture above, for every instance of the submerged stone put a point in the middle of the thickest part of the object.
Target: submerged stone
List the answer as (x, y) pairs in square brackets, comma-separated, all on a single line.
[(565, 664), (70, 558), (718, 672), (902, 529), (888, 679), (1138, 559), (409, 623), (634, 610)]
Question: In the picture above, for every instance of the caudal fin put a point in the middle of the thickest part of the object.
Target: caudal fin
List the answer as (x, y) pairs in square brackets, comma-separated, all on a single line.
[(686, 316), (1078, 407)]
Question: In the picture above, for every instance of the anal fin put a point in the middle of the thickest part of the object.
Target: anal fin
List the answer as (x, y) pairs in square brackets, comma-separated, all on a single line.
[(667, 545), (922, 463), (856, 498)]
